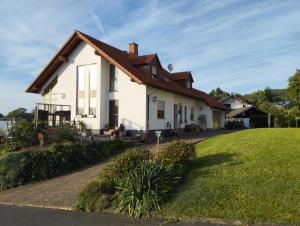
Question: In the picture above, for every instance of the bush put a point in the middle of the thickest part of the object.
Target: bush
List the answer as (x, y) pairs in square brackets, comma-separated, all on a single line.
[(65, 132), (139, 185), (23, 135), (17, 168), (96, 196), (178, 152), (126, 162), (145, 188)]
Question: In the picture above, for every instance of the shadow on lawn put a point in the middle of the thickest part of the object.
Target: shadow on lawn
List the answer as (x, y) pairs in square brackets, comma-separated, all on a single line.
[(214, 159)]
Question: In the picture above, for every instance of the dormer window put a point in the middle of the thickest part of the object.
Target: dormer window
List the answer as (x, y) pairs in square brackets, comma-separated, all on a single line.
[(188, 84), (154, 72)]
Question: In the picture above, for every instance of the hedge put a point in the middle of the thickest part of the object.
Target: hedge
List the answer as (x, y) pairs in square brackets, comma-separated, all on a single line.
[(17, 168)]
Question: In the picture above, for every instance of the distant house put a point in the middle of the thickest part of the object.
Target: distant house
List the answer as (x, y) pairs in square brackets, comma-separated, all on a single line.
[(105, 87), (234, 102), (244, 112)]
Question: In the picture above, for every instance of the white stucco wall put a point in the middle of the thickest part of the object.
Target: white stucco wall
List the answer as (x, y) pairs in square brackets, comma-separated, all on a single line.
[(200, 108), (235, 103), (132, 100), (131, 96), (67, 82)]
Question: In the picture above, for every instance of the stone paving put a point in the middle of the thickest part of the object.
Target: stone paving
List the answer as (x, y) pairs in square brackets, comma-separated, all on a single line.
[(60, 192)]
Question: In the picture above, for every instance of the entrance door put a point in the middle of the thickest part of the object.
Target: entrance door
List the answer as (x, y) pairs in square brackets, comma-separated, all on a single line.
[(113, 113), (175, 116), (216, 120)]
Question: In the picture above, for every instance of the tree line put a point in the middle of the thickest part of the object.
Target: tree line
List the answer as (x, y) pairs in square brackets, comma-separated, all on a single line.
[(283, 104)]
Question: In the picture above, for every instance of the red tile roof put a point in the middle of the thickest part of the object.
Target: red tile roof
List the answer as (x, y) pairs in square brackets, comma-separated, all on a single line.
[(126, 63), (145, 59), (181, 75)]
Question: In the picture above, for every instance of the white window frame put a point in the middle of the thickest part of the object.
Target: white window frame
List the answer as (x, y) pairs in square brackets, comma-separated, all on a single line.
[(87, 90)]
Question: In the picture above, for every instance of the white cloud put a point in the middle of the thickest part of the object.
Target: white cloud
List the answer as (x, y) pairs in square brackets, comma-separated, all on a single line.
[(233, 44)]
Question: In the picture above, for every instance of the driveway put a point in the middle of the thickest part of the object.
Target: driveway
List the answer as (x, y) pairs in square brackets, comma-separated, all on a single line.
[(59, 192)]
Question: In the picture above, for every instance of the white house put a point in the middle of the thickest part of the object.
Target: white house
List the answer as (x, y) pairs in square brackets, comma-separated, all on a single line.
[(233, 102), (104, 87), (245, 112)]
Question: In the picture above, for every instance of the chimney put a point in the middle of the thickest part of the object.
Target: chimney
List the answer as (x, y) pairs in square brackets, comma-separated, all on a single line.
[(133, 49)]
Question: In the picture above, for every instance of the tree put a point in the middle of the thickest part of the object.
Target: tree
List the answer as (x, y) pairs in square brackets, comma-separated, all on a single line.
[(20, 113), (218, 93), (291, 114), (1, 115), (293, 89)]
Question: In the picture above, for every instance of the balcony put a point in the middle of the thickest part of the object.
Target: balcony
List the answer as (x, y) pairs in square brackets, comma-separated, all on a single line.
[(52, 115)]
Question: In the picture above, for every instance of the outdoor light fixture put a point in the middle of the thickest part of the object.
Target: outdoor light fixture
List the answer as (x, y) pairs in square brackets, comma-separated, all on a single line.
[(62, 95)]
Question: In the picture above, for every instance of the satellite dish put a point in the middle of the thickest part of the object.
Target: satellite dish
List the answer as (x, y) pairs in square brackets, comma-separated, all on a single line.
[(170, 67)]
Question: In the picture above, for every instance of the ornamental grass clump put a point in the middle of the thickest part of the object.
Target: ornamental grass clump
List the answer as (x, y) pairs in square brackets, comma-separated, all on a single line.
[(145, 187)]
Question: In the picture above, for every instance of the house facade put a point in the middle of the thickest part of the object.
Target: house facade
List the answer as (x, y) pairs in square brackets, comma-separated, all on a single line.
[(245, 112), (105, 87), (233, 102)]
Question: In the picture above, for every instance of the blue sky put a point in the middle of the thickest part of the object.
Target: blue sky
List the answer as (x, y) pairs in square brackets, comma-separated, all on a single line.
[(238, 45)]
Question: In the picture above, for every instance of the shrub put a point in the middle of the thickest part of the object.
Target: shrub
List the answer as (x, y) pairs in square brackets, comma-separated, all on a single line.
[(138, 183), (23, 135), (65, 132), (178, 152), (126, 162), (96, 196), (145, 187), (15, 169)]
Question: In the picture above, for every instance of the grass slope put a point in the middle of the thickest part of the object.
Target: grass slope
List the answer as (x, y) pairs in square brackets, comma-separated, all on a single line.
[(251, 175)]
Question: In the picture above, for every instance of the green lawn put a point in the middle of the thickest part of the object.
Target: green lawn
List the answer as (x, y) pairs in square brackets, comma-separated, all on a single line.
[(251, 175)]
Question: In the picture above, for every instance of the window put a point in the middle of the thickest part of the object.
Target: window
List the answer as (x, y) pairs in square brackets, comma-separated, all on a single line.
[(180, 113), (192, 114), (93, 89), (86, 90), (80, 90), (160, 109), (154, 72), (228, 105), (188, 84), (49, 96), (185, 114), (113, 113), (200, 108), (113, 82)]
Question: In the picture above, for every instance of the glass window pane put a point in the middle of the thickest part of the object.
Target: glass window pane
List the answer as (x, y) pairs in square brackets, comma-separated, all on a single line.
[(81, 80), (92, 110), (93, 77), (112, 78)]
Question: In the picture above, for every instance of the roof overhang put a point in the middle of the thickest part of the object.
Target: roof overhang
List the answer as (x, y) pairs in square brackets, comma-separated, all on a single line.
[(61, 57)]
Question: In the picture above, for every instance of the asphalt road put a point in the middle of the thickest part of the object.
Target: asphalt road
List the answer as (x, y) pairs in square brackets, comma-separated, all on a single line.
[(31, 216)]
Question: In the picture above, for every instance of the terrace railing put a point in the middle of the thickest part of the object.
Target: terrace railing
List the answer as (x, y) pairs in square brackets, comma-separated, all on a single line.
[(52, 115)]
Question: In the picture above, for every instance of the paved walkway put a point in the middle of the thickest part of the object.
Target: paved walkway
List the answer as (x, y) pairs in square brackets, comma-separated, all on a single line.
[(61, 192)]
